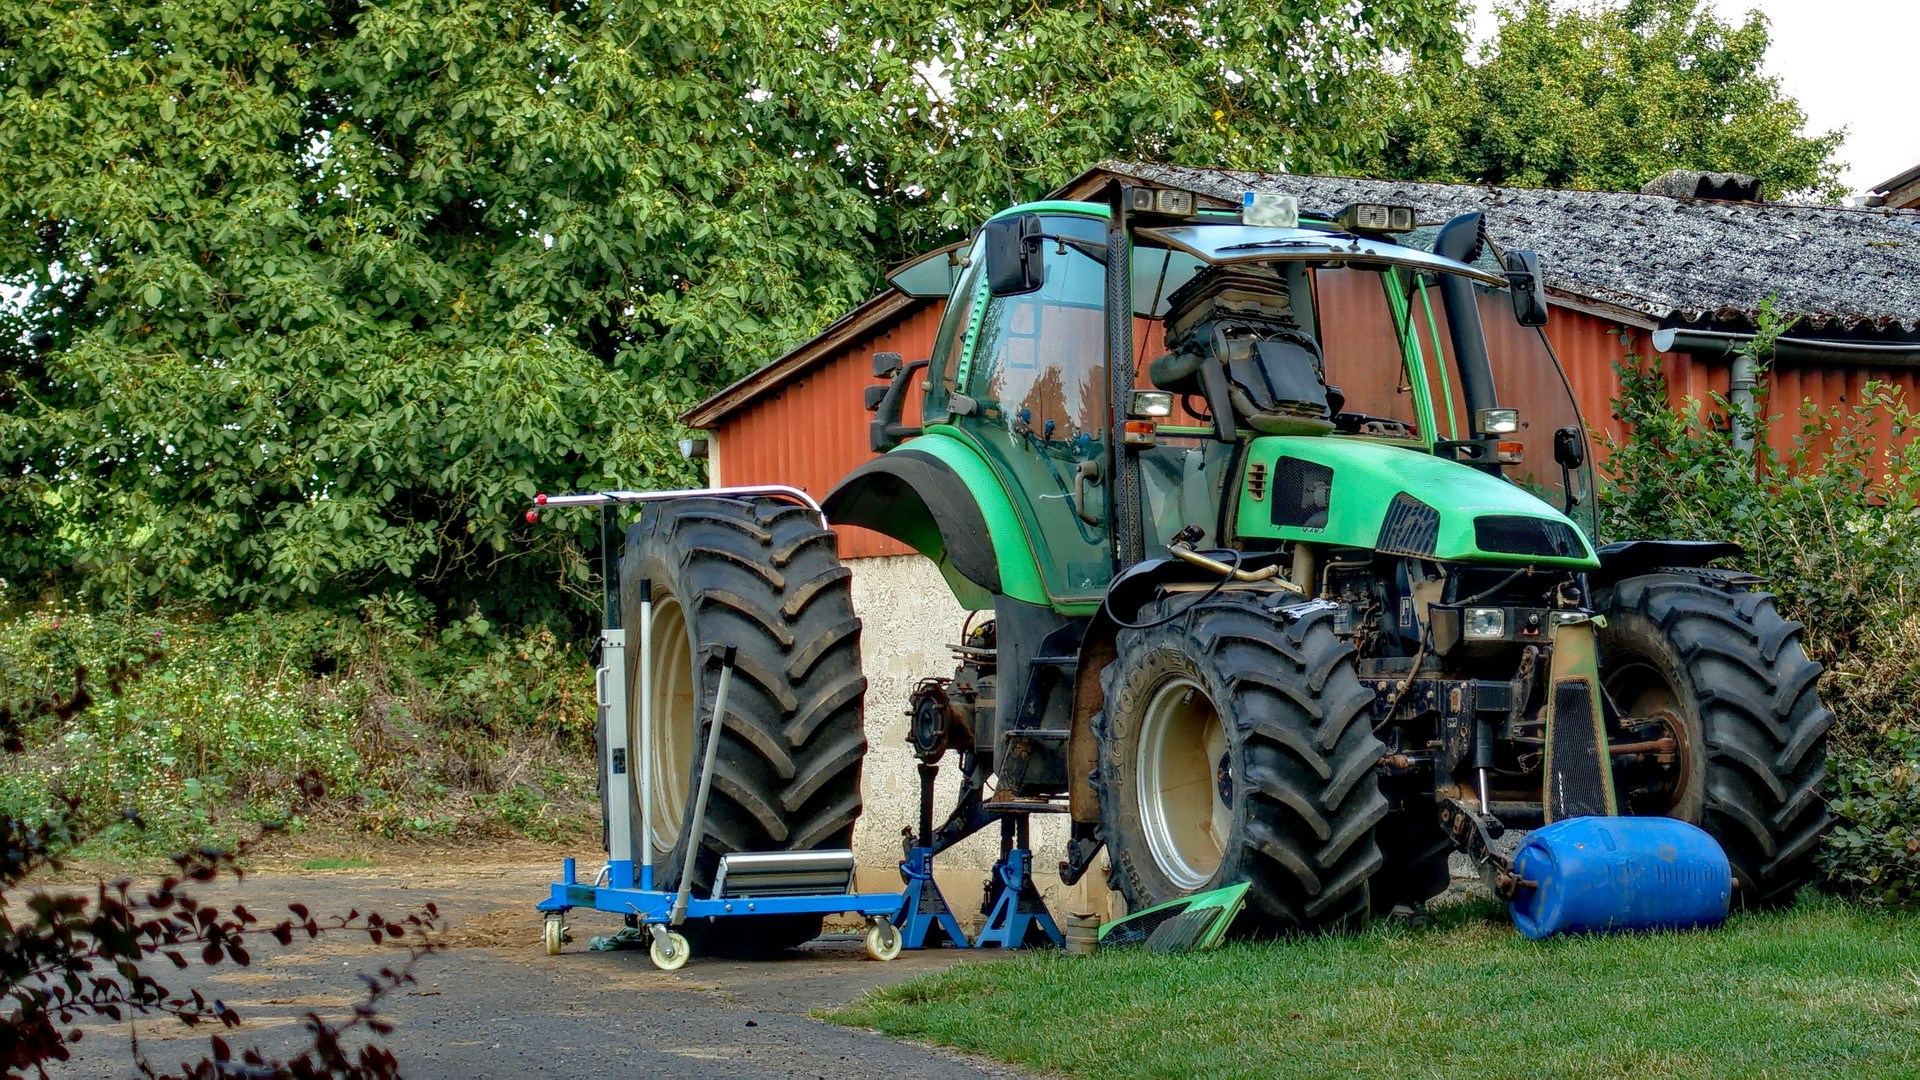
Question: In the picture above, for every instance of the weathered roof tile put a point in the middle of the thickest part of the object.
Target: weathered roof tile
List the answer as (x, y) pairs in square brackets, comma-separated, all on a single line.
[(1671, 260)]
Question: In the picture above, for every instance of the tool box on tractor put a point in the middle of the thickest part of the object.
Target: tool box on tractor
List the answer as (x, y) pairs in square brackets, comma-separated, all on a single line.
[(1278, 535)]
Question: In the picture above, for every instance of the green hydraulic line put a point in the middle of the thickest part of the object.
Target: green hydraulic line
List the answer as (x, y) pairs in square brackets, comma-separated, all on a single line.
[(1410, 354), (1440, 363)]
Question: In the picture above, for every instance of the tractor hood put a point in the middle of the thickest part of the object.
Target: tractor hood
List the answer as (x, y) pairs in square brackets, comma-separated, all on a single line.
[(1353, 493)]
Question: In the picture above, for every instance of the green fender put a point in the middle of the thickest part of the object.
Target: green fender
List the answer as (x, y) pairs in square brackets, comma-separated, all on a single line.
[(938, 496)]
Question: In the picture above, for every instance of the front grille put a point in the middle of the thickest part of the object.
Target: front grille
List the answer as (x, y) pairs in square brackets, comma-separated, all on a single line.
[(1411, 528), (1302, 491), (1513, 535)]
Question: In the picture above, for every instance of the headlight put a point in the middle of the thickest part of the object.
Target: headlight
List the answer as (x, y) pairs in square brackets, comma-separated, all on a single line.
[(1486, 623), (1497, 421), (1152, 404)]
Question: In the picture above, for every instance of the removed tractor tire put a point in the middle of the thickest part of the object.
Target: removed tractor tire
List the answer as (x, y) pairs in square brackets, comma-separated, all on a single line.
[(1235, 746), (761, 575), (1729, 682)]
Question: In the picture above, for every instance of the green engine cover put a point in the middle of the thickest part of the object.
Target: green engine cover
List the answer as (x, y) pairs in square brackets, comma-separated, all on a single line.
[(1352, 493)]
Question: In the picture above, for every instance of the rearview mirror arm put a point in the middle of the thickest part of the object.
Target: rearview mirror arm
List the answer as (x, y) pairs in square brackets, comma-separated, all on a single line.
[(886, 431)]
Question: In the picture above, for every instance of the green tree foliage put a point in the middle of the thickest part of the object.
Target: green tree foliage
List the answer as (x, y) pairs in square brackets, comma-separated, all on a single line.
[(327, 290), (1013, 98), (1607, 97)]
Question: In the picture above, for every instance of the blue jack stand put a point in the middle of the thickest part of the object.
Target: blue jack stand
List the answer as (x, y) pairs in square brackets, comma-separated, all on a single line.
[(923, 911), (1017, 912), (924, 917)]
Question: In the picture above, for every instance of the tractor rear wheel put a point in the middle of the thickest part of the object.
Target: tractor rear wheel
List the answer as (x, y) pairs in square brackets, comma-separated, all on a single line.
[(1711, 663), (761, 575), (1234, 746)]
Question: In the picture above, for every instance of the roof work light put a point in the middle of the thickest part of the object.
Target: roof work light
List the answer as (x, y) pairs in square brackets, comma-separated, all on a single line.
[(1375, 217)]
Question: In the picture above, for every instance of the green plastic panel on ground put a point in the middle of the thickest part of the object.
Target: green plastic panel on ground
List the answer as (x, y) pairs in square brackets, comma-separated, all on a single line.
[(1366, 478)]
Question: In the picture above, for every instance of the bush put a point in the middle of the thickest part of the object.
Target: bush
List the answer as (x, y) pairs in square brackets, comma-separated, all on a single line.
[(203, 724), (1829, 521), (71, 957)]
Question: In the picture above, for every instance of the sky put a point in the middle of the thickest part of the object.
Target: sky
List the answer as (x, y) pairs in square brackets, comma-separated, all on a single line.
[(1850, 63)]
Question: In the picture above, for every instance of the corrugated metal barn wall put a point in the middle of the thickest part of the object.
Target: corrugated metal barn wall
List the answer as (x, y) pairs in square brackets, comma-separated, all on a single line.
[(813, 431)]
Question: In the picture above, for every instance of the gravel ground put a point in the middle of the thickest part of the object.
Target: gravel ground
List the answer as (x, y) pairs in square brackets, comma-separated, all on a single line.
[(493, 1004)]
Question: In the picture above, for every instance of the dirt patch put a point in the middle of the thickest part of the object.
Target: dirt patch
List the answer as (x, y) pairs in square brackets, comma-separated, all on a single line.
[(329, 851), (502, 928)]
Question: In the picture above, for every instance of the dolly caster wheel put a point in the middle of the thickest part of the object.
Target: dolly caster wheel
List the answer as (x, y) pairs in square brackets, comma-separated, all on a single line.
[(553, 934), (669, 950), (883, 938)]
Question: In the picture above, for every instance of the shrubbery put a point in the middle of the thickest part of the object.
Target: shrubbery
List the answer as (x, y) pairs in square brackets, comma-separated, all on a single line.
[(1831, 522), (200, 726)]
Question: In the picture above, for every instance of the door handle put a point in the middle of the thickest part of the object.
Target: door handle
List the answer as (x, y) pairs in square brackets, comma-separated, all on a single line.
[(1087, 470)]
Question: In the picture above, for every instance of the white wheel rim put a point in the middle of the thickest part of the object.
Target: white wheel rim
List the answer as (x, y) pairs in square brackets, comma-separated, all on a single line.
[(671, 760), (883, 940), (671, 953), (1182, 746)]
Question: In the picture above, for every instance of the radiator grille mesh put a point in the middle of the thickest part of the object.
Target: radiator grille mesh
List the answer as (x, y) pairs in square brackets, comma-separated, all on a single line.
[(1302, 492), (1411, 527), (1513, 535)]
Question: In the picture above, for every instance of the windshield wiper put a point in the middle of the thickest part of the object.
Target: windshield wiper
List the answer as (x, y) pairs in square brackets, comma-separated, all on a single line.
[(1330, 240), (1273, 243)]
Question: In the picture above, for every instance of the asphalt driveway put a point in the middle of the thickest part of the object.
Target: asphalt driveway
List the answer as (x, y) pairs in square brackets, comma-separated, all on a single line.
[(493, 1004)]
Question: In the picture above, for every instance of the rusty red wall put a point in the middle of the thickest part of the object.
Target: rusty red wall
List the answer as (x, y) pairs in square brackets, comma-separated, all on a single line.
[(814, 430)]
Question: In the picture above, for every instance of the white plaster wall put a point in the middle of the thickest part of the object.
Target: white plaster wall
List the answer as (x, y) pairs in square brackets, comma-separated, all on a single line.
[(910, 622)]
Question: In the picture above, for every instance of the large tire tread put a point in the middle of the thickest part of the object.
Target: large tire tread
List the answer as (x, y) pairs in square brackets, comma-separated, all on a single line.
[(764, 576), (1763, 725), (1308, 800)]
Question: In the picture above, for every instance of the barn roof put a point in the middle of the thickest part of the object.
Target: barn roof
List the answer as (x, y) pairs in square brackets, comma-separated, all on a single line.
[(1653, 261), (1886, 186), (1846, 271)]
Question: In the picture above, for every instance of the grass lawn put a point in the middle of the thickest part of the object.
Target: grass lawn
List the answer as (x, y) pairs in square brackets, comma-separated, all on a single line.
[(1824, 990)]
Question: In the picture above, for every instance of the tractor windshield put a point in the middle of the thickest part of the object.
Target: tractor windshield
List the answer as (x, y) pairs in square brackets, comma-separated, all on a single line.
[(1023, 377), (1374, 311), (1353, 314)]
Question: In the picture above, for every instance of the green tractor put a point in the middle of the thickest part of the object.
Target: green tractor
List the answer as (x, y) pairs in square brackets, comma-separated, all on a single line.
[(1277, 534)]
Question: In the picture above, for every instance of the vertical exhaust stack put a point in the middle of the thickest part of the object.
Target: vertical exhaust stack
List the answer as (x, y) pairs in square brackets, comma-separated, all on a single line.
[(1462, 240)]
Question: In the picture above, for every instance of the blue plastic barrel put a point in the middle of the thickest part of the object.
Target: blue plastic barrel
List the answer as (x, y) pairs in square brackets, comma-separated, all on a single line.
[(1602, 874)]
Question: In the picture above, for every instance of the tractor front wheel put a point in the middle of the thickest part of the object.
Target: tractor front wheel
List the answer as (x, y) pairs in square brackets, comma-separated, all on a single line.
[(1234, 746), (1699, 657)]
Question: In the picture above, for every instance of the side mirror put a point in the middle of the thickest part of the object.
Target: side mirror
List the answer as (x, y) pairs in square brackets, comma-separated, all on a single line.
[(1014, 263), (1528, 288), (886, 365), (1569, 448)]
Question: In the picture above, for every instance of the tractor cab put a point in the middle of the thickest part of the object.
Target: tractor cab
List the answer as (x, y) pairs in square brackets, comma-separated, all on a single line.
[(1299, 328)]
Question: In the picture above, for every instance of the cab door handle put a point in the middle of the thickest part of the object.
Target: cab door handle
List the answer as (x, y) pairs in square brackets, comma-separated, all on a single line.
[(1088, 470)]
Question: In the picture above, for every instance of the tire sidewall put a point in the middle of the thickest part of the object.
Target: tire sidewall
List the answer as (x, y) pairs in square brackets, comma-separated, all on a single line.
[(666, 867), (1149, 660)]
